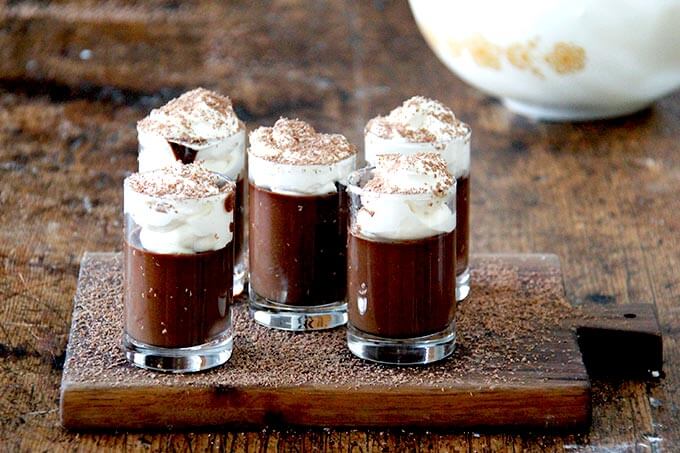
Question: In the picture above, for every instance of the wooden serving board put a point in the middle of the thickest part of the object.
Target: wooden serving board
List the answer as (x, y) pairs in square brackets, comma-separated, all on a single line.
[(517, 363)]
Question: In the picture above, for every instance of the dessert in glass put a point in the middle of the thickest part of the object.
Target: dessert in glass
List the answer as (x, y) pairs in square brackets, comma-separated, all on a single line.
[(178, 263), (201, 126), (401, 260), (425, 125), (298, 226)]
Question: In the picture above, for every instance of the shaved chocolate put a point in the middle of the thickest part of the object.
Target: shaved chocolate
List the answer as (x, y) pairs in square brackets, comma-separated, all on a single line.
[(295, 142), (419, 120), (392, 171), (180, 181), (194, 119)]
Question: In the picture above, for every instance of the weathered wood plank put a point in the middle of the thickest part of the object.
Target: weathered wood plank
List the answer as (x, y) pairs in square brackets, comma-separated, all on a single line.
[(242, 48)]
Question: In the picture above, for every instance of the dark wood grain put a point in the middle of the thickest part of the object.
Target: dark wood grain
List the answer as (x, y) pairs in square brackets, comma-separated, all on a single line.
[(602, 195), (242, 48), (138, 408)]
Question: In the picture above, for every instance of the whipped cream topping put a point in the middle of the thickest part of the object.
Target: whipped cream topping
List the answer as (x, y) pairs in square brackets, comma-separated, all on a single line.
[(419, 173), (418, 119), (194, 119), (293, 158), (227, 156), (407, 197), (180, 209), (420, 125), (200, 120)]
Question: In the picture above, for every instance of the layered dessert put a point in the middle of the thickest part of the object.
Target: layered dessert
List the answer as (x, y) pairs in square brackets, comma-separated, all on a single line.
[(200, 126), (178, 261), (298, 224), (402, 259), (425, 125)]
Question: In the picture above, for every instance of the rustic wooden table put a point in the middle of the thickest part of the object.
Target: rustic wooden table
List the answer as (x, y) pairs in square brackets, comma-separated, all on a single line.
[(76, 76)]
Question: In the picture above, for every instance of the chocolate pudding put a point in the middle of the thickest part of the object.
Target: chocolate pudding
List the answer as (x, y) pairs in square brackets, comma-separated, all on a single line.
[(179, 259), (462, 223), (419, 125), (301, 253), (183, 153), (176, 300), (401, 257), (240, 220), (401, 289), (200, 126), (298, 221)]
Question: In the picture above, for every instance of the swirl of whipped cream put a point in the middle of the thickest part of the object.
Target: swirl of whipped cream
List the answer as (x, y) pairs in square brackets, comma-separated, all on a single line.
[(177, 212), (298, 179), (292, 158), (408, 197), (226, 156), (200, 120), (420, 125)]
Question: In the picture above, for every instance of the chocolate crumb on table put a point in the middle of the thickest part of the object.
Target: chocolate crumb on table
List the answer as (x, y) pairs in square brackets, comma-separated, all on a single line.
[(500, 337)]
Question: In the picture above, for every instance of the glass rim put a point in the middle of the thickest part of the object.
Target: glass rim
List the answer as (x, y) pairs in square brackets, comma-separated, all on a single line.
[(357, 190)]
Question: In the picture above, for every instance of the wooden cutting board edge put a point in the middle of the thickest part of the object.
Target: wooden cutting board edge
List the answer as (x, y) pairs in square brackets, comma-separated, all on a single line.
[(488, 408)]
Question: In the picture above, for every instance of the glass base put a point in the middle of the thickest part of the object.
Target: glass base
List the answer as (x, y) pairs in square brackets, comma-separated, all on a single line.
[(402, 351), (179, 360), (296, 318), (463, 285)]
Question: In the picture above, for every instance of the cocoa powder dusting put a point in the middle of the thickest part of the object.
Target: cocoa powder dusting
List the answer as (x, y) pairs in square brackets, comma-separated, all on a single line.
[(419, 120), (184, 120), (510, 331), (390, 168), (295, 142), (179, 181)]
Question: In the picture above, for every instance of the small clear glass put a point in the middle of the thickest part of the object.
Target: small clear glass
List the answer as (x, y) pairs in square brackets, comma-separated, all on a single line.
[(456, 153), (401, 297), (177, 302), (297, 270), (227, 157)]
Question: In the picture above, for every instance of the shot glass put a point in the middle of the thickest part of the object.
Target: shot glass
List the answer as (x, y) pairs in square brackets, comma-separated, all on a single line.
[(178, 262), (384, 135), (201, 126), (298, 233), (401, 278)]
